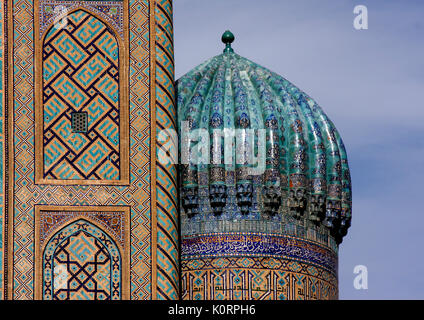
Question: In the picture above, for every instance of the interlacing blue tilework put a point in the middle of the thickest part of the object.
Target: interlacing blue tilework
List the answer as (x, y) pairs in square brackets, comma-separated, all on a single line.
[(81, 74)]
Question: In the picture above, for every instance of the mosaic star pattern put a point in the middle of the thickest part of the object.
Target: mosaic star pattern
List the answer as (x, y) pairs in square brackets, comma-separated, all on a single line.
[(81, 262)]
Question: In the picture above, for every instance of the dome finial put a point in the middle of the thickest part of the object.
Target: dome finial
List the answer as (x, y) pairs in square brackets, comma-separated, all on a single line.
[(228, 39)]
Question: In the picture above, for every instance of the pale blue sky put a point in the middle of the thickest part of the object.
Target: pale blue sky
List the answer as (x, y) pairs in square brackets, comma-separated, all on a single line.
[(370, 83)]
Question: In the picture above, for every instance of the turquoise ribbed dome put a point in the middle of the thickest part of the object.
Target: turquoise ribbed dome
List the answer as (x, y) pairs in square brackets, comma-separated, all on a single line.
[(306, 176)]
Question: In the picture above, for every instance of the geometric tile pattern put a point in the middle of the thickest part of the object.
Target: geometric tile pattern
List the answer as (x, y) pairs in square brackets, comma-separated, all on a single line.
[(26, 194), (81, 74), (90, 273), (140, 126), (82, 252), (166, 174), (255, 278), (3, 157), (81, 262)]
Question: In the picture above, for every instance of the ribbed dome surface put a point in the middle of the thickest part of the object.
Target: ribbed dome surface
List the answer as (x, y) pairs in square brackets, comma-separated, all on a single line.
[(306, 176)]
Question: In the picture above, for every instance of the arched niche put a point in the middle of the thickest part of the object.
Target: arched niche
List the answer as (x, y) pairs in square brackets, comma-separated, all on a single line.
[(81, 262)]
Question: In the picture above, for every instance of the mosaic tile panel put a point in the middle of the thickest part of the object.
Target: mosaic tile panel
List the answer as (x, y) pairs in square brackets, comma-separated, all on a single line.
[(26, 194), (81, 262), (255, 278), (82, 252), (81, 75)]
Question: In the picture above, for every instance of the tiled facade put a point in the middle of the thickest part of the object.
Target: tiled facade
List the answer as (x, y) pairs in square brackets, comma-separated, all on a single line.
[(104, 65)]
